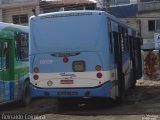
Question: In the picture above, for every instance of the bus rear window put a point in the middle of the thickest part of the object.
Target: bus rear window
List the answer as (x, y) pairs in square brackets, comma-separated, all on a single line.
[(67, 33)]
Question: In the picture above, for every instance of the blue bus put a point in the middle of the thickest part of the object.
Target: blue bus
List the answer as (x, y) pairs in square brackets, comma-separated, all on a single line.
[(14, 77), (82, 54)]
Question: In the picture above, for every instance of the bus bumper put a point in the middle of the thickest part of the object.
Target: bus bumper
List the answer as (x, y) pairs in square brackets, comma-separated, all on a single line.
[(104, 90)]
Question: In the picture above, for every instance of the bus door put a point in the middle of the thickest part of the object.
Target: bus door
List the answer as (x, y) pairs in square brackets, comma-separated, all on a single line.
[(1, 76), (119, 63), (132, 58), (138, 56), (5, 69)]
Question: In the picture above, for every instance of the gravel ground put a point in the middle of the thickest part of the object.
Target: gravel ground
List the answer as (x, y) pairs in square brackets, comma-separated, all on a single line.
[(141, 103)]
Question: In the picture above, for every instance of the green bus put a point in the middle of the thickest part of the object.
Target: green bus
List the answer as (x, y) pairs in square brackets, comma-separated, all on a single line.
[(14, 78)]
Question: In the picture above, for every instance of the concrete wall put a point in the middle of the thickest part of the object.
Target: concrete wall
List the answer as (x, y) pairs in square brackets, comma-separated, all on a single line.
[(144, 23), (148, 36), (8, 8), (117, 2), (132, 21), (8, 13)]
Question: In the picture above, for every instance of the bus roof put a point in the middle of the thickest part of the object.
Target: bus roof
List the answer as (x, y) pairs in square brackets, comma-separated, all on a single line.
[(6, 35), (13, 27), (82, 12), (83, 31)]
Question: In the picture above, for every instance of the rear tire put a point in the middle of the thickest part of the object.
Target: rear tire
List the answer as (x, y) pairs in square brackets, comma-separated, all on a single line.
[(26, 96)]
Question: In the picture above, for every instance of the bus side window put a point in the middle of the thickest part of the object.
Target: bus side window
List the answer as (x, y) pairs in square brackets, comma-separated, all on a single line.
[(21, 46), (24, 47), (116, 43), (110, 36), (130, 46), (110, 41), (5, 54), (121, 37), (126, 40), (16, 37)]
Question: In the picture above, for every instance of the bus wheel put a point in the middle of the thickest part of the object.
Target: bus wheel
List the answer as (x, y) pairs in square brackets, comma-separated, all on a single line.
[(26, 96)]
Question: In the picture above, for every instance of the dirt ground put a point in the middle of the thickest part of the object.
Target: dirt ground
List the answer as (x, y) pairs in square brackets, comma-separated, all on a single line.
[(140, 103)]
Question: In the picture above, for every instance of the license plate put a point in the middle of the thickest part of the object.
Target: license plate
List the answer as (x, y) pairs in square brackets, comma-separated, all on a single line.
[(78, 66), (66, 81)]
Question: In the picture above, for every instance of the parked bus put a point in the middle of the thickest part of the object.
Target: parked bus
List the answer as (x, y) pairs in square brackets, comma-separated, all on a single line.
[(14, 78), (79, 54)]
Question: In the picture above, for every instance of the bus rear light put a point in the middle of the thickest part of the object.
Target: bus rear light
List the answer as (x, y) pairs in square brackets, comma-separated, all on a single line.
[(65, 59), (99, 75), (98, 68), (36, 70), (36, 77)]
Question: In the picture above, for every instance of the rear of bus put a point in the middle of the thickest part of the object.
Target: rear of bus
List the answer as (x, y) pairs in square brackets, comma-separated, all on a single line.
[(68, 55)]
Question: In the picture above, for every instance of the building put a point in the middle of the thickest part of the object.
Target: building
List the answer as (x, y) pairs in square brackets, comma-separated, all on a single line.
[(102, 4), (58, 5), (17, 11), (149, 24), (118, 2), (149, 21), (126, 12)]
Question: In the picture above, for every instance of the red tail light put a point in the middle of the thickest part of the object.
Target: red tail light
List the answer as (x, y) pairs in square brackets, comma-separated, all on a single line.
[(36, 70), (99, 75), (36, 77), (98, 68), (65, 59)]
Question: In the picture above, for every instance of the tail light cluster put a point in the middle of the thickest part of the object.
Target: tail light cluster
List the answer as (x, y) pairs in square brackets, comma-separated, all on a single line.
[(65, 59), (36, 77), (36, 70), (99, 75), (99, 68)]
